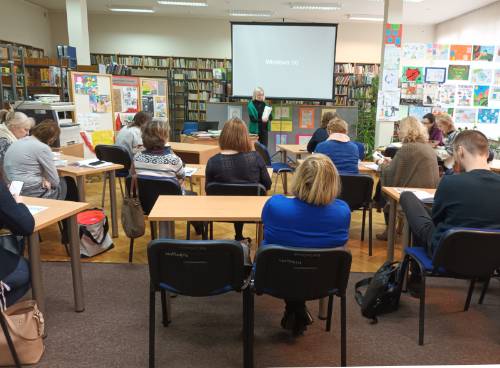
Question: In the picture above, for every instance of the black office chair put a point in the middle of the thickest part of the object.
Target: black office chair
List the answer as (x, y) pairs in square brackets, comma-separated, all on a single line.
[(302, 274), (470, 254), (12, 348), (224, 189), (195, 268), (118, 155), (279, 168), (357, 191)]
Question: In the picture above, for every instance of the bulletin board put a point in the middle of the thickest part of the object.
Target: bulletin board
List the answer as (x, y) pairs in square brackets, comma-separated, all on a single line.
[(125, 99), (154, 97), (91, 94)]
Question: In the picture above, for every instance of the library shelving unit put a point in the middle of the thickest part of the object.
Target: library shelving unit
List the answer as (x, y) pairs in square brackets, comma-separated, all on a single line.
[(12, 73), (47, 75), (178, 91), (201, 79), (353, 82)]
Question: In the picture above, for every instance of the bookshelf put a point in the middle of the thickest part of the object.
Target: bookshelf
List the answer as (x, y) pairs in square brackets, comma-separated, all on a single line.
[(202, 79), (353, 82), (12, 73)]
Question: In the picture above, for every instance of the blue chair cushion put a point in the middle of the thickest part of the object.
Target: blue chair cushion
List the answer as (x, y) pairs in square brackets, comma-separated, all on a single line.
[(420, 254), (281, 167)]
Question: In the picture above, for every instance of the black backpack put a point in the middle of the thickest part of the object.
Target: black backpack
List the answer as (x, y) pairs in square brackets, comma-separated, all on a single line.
[(383, 291)]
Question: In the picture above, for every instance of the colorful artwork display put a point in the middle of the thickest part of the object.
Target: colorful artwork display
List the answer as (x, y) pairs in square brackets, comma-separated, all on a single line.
[(414, 51), (465, 94), (437, 51), (461, 52), (430, 95), (481, 95), (496, 76), (435, 75), (458, 72), (303, 138), (481, 76), (494, 96), (282, 112), (447, 94), (465, 116), (488, 116), (412, 91), (419, 111), (393, 34), (413, 74), (306, 118), (280, 139), (86, 84), (281, 126), (483, 53)]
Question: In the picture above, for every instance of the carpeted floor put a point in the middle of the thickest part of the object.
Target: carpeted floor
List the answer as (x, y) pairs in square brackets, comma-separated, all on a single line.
[(206, 332)]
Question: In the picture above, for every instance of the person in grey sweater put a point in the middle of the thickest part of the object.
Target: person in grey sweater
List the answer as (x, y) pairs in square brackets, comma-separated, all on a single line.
[(130, 136), (30, 160)]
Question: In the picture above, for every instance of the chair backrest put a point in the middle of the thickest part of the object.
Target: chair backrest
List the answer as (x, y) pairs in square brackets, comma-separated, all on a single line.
[(196, 267), (357, 190), (252, 189), (301, 273), (113, 153), (190, 127), (263, 152), (150, 187), (469, 252), (361, 149)]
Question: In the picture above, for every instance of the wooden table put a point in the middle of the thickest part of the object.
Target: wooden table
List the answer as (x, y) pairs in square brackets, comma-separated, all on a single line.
[(80, 172), (393, 194), (214, 141), (56, 211), (294, 149), (194, 153), (495, 166)]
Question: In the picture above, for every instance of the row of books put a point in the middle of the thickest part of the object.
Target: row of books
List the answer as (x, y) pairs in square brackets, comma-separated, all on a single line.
[(18, 51), (342, 80), (353, 68), (201, 116), (201, 96), (118, 69), (197, 105), (47, 77), (344, 101), (102, 59), (130, 60), (155, 61), (342, 90)]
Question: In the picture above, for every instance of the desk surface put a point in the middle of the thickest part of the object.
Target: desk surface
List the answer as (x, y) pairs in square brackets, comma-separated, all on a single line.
[(81, 170), (393, 193), (56, 211), (297, 149), (192, 147), (208, 208), (200, 173)]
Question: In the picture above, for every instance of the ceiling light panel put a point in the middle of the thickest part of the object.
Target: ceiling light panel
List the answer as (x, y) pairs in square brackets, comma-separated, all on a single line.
[(183, 3), (250, 13), (313, 6), (129, 9)]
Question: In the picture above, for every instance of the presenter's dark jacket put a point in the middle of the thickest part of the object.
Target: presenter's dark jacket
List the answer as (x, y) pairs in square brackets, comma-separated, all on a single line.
[(17, 218), (255, 110)]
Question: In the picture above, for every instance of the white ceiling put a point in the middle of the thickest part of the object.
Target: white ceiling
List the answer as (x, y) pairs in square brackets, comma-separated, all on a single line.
[(426, 12)]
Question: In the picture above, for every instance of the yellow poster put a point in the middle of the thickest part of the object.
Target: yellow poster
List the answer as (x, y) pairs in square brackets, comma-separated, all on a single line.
[(103, 137), (324, 111), (281, 126)]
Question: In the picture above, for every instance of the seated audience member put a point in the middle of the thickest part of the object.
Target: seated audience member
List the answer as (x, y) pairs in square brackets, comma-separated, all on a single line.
[(466, 200), (445, 124), (15, 126), (435, 134), (414, 165), (237, 163), (343, 153), (31, 161), (321, 134), (130, 136), (157, 158), (314, 218), (14, 270)]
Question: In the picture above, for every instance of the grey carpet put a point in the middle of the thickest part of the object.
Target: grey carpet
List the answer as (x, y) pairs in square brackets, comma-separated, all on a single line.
[(206, 332)]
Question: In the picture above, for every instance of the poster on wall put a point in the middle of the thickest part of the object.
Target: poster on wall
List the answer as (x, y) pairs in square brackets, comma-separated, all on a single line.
[(481, 76), (282, 112), (496, 77), (414, 51), (481, 95), (494, 96), (303, 139), (280, 139), (154, 98), (388, 105), (497, 54), (461, 52), (234, 111), (458, 72), (435, 75), (483, 53), (412, 92), (437, 51), (390, 80), (419, 111), (413, 74), (393, 34), (465, 116), (125, 99), (465, 94), (447, 94), (488, 116), (392, 57), (436, 110), (306, 117), (430, 95), (281, 126), (403, 111)]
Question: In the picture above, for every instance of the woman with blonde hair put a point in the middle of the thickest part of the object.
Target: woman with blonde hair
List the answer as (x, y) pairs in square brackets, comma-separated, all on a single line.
[(313, 218), (415, 163), (237, 163), (259, 124), (16, 126)]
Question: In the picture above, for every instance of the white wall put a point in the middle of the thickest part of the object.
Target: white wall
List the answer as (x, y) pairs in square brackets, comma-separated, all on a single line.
[(481, 26), (25, 23), (151, 35)]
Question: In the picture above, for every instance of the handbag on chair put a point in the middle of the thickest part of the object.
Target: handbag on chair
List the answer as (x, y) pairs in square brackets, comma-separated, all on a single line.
[(132, 214)]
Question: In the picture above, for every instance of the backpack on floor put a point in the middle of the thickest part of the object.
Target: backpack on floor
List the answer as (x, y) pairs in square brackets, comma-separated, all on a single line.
[(382, 293), (93, 229)]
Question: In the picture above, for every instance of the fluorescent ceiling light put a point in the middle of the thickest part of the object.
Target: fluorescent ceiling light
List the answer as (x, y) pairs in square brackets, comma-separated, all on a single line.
[(366, 17), (250, 13), (183, 3), (131, 9), (406, 1), (318, 6)]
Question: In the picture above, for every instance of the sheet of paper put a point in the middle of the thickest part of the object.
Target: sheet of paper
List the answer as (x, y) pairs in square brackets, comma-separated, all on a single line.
[(16, 187), (189, 171), (371, 165), (266, 113), (87, 163), (420, 194), (36, 209)]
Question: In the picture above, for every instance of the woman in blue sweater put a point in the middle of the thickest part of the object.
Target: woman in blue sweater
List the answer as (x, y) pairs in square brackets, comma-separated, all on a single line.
[(343, 153), (314, 218)]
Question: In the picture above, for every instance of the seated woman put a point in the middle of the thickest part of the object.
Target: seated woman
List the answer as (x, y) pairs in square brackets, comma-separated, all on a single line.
[(343, 153), (314, 218), (14, 270), (16, 126), (414, 165), (435, 134), (31, 161), (321, 134), (130, 136), (237, 163)]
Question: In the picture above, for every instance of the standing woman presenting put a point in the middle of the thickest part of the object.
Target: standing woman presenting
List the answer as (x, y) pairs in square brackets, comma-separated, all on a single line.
[(258, 124)]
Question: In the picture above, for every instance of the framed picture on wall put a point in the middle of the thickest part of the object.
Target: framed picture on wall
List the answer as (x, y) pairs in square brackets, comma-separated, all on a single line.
[(435, 75), (303, 138)]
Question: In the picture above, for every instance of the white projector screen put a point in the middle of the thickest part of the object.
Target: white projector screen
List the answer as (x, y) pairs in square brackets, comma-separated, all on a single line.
[(288, 60)]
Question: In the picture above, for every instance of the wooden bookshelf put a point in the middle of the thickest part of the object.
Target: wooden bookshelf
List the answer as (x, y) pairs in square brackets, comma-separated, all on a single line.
[(353, 82)]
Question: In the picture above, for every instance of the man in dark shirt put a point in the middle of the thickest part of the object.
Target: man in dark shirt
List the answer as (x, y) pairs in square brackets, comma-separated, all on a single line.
[(470, 199)]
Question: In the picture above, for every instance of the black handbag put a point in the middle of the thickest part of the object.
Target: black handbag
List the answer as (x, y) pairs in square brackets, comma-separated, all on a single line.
[(12, 243), (383, 291)]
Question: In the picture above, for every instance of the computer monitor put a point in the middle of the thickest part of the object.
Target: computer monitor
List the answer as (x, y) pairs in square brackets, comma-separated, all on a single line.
[(204, 126)]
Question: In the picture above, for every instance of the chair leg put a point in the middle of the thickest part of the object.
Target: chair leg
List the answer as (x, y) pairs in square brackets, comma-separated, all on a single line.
[(211, 226), (153, 230), (370, 230), (152, 327), (104, 189), (329, 313), (485, 289), (12, 348), (469, 294), (275, 182), (165, 320), (121, 187), (285, 189), (131, 251), (343, 331), (363, 224), (249, 335), (421, 317)]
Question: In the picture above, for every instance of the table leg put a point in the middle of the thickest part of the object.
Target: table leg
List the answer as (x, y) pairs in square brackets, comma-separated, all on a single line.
[(201, 183), (166, 229), (112, 194), (391, 230), (285, 182), (80, 184), (323, 308), (406, 233), (260, 233), (36, 270), (76, 267)]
